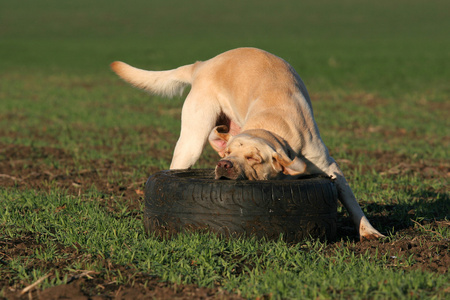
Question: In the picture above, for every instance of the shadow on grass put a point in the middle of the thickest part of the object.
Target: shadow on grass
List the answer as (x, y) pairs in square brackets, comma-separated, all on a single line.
[(387, 218), (431, 206)]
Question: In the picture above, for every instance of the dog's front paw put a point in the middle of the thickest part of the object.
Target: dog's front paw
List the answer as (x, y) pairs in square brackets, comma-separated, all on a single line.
[(367, 232), (371, 236)]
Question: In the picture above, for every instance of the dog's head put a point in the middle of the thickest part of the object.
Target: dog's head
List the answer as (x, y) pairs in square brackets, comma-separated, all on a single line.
[(253, 155)]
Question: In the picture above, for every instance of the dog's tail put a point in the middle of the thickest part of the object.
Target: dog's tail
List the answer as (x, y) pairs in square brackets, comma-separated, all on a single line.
[(166, 83)]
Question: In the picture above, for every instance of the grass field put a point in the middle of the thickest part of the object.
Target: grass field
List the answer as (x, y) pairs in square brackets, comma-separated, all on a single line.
[(77, 145)]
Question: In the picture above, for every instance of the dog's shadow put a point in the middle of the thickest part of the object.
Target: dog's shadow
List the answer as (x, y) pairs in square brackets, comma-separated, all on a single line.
[(425, 206)]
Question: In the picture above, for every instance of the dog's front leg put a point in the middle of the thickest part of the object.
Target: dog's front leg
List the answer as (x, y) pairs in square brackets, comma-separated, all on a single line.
[(347, 198)]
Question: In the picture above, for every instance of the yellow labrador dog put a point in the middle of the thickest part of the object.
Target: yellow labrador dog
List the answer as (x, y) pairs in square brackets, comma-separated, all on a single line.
[(256, 113)]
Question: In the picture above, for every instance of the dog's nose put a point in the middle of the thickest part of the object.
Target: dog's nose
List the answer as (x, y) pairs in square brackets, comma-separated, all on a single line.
[(225, 164)]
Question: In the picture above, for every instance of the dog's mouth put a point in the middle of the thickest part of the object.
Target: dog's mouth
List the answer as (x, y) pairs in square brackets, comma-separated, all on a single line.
[(224, 175), (229, 177)]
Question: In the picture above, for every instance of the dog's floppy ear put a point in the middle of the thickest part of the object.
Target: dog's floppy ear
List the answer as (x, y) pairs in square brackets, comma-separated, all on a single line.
[(218, 138), (282, 163)]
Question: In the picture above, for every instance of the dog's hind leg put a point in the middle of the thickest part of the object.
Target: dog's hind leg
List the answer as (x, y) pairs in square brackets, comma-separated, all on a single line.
[(198, 118)]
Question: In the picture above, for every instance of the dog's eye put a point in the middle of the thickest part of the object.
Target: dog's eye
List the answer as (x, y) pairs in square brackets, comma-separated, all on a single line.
[(251, 159)]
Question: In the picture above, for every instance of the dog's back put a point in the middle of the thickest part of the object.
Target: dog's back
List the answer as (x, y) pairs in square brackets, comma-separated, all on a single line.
[(243, 73)]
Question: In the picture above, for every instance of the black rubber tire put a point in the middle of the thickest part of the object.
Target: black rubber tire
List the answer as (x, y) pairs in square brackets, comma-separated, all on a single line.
[(180, 200)]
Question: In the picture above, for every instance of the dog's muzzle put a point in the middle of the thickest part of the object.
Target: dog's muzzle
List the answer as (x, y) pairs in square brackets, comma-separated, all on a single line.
[(224, 169)]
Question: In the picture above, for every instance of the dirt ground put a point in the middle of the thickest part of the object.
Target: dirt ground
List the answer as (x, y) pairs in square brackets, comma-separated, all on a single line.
[(28, 167)]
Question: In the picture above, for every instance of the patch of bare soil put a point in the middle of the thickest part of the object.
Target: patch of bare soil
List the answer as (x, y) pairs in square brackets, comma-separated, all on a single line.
[(89, 287)]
